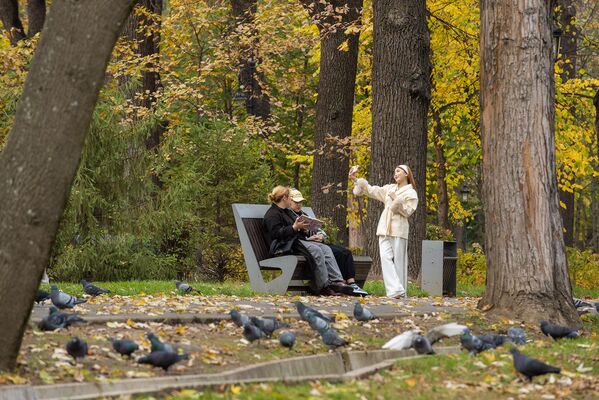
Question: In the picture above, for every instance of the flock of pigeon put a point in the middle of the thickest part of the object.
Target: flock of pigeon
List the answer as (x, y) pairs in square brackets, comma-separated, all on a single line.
[(164, 355)]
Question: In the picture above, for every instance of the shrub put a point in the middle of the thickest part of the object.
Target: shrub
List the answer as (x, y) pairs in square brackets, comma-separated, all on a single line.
[(436, 232), (583, 266), (472, 266)]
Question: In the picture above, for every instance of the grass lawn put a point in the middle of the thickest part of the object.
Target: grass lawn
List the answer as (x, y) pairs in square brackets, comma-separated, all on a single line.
[(243, 289), (489, 375)]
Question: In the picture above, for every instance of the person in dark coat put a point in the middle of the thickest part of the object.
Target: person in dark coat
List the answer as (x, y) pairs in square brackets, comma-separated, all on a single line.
[(343, 255), (281, 225)]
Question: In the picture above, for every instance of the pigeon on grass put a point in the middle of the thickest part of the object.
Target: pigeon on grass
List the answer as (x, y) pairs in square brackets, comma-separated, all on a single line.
[(268, 325), (157, 345), (516, 335), (287, 339), (63, 300), (557, 331), (124, 347), (239, 318), (57, 319), (473, 343), (93, 290), (318, 324), (530, 367), (362, 313), (185, 287), (423, 344), (77, 348), (331, 338), (162, 359)]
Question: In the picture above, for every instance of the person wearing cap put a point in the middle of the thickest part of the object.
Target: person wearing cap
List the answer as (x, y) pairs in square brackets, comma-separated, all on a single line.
[(400, 200), (343, 255), (280, 224)]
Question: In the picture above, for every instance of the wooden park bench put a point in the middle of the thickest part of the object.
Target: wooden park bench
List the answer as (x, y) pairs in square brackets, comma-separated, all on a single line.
[(295, 272)]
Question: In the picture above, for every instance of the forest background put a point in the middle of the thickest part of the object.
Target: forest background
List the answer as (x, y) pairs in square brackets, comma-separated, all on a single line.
[(206, 104)]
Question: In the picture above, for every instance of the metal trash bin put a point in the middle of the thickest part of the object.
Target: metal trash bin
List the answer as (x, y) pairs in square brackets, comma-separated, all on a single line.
[(439, 267)]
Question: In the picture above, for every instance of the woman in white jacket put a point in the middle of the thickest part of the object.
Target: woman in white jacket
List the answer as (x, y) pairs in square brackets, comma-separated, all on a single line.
[(400, 201)]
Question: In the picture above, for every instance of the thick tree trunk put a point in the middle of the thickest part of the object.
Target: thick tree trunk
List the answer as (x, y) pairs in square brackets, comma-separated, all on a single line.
[(400, 98), (527, 272), (334, 111), (36, 15), (440, 167), (40, 160), (257, 103), (568, 50), (595, 184), (9, 13)]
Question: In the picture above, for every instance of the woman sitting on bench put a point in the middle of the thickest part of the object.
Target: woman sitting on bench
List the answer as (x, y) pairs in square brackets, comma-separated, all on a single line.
[(288, 231)]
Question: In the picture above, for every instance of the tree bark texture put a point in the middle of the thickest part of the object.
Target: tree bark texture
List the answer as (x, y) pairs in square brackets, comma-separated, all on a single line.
[(440, 167), (9, 13), (527, 273), (36, 15), (334, 110), (568, 50), (257, 103), (595, 184), (39, 162), (401, 92)]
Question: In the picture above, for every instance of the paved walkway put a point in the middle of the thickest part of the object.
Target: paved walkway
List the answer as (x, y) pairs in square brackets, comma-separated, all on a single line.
[(208, 309)]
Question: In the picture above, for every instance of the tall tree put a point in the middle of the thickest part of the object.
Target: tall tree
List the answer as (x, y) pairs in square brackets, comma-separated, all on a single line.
[(44, 147), (568, 49), (257, 102), (527, 272), (595, 183), (401, 93), (337, 22), (9, 13)]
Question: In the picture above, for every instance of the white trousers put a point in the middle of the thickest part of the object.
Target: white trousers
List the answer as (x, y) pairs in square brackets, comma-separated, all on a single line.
[(394, 264)]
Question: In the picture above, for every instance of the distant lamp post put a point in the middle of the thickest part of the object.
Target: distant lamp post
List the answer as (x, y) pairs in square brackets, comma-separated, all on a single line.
[(557, 36), (464, 194)]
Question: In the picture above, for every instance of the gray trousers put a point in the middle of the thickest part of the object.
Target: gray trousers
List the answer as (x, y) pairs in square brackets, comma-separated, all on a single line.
[(327, 270)]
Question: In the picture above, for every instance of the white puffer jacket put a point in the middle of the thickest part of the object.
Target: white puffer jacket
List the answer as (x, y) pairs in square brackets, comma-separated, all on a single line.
[(394, 219)]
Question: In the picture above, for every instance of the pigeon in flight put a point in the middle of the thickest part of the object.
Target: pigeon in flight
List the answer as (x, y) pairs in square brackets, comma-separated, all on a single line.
[(423, 344)]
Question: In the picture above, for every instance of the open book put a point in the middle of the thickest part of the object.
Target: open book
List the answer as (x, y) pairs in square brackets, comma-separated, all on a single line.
[(315, 224)]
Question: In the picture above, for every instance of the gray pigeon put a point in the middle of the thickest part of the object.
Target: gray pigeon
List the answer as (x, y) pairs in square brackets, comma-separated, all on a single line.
[(62, 299), (58, 319), (185, 287), (422, 345), (239, 318), (493, 339), (530, 367), (331, 338), (91, 289), (558, 331), (317, 323), (362, 314), (516, 335), (77, 348), (473, 343), (157, 345), (304, 312), (124, 346), (252, 332), (162, 359), (287, 339), (268, 325)]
